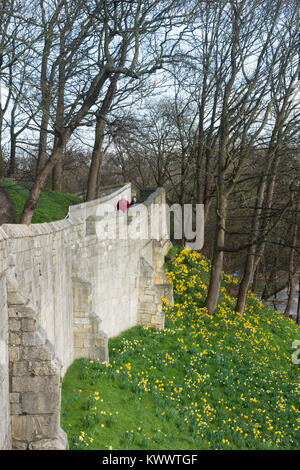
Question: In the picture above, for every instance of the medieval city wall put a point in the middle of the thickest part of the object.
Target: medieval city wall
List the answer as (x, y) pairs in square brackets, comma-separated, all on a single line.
[(65, 288)]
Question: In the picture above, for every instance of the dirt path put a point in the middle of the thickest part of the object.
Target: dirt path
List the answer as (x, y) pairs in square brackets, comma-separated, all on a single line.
[(7, 215)]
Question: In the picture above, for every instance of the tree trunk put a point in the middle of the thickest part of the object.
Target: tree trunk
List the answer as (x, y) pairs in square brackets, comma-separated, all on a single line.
[(244, 285), (57, 173), (97, 155), (298, 306), (42, 149), (206, 209), (92, 95), (249, 264), (2, 165), (292, 273), (267, 294), (12, 160), (200, 148), (292, 284), (98, 186), (32, 200), (217, 261)]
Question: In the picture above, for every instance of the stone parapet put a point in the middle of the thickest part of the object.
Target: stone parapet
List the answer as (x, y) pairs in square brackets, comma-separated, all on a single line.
[(35, 384), (65, 288)]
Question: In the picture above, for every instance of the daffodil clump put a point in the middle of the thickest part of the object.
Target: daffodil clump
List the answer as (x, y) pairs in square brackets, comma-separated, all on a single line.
[(225, 381)]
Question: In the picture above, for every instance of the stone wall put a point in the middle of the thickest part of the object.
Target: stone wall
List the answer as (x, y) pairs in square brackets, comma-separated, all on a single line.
[(35, 374), (65, 288), (5, 433)]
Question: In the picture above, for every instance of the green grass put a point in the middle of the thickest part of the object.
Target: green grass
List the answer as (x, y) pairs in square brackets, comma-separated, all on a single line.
[(120, 418), (221, 382), (51, 205)]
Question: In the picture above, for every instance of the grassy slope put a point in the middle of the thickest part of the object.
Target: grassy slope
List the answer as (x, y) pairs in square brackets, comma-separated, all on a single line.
[(51, 206), (202, 383)]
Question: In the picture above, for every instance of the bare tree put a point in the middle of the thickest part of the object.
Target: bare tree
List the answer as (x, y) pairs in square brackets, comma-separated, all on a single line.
[(244, 111), (120, 29), (293, 256)]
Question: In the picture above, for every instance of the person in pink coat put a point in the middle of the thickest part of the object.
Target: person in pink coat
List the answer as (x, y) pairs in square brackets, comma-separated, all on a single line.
[(123, 204)]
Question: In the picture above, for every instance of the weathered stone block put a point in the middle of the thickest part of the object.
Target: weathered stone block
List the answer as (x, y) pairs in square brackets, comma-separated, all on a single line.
[(32, 339), (37, 352), (14, 397), (40, 402), (81, 352), (35, 383), (14, 353), (100, 352), (147, 298), (19, 445), (14, 324), (13, 298), (28, 324), (15, 409), (19, 311), (60, 443), (44, 368), (144, 318), (20, 368), (154, 319), (82, 321), (30, 427), (80, 314), (15, 339), (78, 341)]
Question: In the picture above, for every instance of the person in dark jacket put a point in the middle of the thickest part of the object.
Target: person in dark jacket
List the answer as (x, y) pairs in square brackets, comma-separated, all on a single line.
[(134, 201)]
